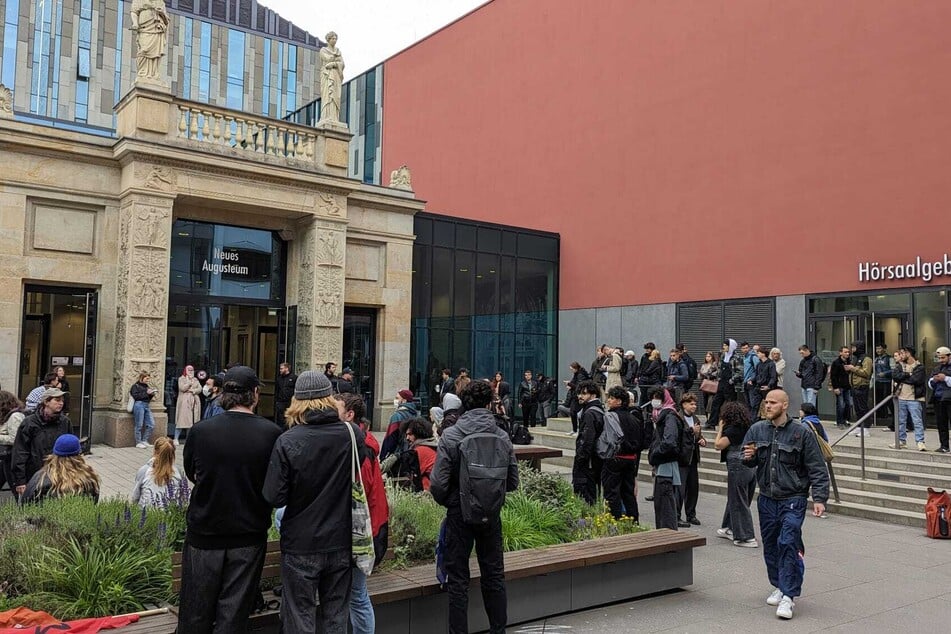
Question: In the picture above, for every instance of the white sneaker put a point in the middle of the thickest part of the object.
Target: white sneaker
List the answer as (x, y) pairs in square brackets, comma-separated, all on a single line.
[(775, 597), (175, 442), (725, 533), (140, 445), (786, 605), (921, 446), (747, 543), (862, 431)]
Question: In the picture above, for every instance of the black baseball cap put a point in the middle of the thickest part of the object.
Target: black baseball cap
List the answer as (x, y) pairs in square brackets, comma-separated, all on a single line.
[(241, 379)]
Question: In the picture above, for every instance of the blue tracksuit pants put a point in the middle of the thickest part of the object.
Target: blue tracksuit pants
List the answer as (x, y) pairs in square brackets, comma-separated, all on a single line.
[(780, 524)]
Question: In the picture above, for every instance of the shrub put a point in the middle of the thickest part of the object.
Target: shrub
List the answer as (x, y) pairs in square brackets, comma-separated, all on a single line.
[(414, 524), (528, 523)]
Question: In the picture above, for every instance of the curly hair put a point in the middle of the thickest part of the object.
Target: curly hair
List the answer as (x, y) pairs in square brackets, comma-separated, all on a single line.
[(9, 403), (735, 414), (70, 475), (475, 395)]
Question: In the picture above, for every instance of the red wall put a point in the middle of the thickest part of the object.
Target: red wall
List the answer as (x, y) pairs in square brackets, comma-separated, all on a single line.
[(688, 149)]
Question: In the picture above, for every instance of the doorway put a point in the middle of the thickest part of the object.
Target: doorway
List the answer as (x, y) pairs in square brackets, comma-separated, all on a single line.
[(359, 351), (59, 330)]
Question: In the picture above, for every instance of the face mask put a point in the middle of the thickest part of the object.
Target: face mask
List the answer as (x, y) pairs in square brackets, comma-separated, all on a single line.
[(396, 402), (656, 403), (206, 390)]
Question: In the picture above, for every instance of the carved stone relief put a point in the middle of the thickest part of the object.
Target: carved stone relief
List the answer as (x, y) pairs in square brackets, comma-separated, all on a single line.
[(6, 102), (328, 344), (330, 251), (146, 338), (400, 178), (327, 205), (150, 227), (329, 301)]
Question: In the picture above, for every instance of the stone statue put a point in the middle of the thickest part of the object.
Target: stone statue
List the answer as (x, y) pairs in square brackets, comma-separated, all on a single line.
[(150, 23), (6, 102), (400, 178), (331, 80)]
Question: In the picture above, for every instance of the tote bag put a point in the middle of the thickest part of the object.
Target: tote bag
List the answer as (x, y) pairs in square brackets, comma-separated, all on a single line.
[(361, 528), (709, 386)]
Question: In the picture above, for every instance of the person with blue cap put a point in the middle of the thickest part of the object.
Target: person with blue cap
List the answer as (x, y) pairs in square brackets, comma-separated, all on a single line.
[(65, 472)]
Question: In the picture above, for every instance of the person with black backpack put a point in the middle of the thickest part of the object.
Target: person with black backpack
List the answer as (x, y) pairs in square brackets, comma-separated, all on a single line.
[(475, 467), (586, 469), (620, 446), (692, 371), (664, 456)]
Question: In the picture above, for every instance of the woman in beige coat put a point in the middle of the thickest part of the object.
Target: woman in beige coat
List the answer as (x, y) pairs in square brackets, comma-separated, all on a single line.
[(188, 405)]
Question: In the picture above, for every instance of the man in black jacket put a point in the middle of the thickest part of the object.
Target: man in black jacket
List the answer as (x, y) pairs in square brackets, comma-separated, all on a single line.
[(619, 474), (765, 380), (528, 398), (226, 456), (586, 470), (460, 535), (598, 374), (283, 392), (840, 385), (36, 436), (940, 382), (630, 375), (811, 374), (345, 382)]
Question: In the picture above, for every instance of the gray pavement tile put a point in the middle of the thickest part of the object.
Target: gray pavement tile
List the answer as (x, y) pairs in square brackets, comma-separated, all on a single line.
[(808, 618), (883, 595), (924, 617)]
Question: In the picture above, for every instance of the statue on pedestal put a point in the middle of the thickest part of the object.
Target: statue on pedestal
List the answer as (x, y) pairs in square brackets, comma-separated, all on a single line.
[(150, 24), (331, 81)]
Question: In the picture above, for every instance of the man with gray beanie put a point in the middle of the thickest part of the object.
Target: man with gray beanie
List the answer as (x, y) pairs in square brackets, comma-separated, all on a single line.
[(310, 474), (228, 518)]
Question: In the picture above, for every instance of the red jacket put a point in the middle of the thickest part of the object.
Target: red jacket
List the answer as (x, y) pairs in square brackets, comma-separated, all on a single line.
[(373, 485), (427, 458)]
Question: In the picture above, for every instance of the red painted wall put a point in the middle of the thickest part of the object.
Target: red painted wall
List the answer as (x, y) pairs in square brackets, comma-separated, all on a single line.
[(688, 150)]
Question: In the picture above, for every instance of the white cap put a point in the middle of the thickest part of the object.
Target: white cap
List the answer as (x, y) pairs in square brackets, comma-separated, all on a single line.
[(629, 353), (943, 350)]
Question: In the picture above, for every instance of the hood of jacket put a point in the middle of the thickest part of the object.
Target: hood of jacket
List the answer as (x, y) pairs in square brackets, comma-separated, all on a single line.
[(451, 401), (731, 343), (859, 349), (476, 421), (321, 417)]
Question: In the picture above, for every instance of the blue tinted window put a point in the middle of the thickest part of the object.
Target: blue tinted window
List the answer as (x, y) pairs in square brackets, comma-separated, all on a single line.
[(8, 55), (42, 44), (83, 60), (290, 103), (204, 62), (266, 98), (235, 91), (187, 61), (118, 80)]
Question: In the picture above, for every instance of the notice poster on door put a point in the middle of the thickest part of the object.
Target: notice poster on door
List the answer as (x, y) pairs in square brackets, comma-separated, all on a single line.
[(78, 361), (59, 361)]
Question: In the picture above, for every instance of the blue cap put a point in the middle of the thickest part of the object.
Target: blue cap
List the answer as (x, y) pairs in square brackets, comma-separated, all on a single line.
[(67, 445)]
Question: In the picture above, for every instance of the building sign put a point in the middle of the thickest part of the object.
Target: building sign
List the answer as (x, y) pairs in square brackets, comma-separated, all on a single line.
[(924, 270), (225, 261)]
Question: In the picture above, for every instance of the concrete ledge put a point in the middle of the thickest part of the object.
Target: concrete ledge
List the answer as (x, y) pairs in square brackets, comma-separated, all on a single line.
[(114, 428)]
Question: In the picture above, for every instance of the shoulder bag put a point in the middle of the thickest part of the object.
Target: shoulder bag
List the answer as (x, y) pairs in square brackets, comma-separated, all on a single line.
[(361, 529)]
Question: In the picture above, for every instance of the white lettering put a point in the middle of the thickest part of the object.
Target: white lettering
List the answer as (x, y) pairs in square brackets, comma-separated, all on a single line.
[(216, 268), (925, 271), (863, 271), (876, 273)]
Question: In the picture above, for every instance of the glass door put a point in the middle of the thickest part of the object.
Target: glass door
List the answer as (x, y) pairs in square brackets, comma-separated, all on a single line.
[(88, 365), (891, 330), (359, 351), (829, 334)]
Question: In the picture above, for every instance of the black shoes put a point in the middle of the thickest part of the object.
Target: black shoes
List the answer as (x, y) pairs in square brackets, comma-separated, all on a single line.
[(943, 450), (649, 498), (693, 521), (682, 524)]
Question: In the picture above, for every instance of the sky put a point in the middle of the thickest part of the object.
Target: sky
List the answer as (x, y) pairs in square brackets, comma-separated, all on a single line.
[(369, 31)]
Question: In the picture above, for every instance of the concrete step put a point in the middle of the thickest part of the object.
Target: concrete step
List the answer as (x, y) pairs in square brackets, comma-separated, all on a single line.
[(559, 424), (556, 439)]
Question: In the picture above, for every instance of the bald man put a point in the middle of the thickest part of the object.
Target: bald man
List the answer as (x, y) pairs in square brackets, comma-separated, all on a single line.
[(788, 462)]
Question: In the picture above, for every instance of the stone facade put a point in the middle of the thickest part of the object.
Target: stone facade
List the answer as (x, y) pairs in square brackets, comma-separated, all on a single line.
[(81, 210)]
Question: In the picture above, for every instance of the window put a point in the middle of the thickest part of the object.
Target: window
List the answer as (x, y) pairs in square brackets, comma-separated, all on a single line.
[(266, 97), (290, 102), (42, 43), (371, 128), (8, 55), (234, 97), (186, 89), (204, 63), (83, 61)]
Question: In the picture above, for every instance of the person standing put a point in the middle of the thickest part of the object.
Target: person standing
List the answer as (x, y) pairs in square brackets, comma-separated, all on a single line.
[(909, 377), (859, 368), (689, 491), (811, 373), (578, 376), (730, 381), (788, 462), (883, 382), (462, 381), (630, 372), (283, 392), (345, 382), (36, 436), (547, 391), (405, 410), (187, 407), (60, 372), (765, 380), (142, 419), (677, 375), (528, 398), (11, 417), (586, 468), (50, 381), (940, 383), (310, 473), (330, 369), (692, 370), (597, 366), (612, 368), (228, 516), (737, 524), (649, 372), (663, 455), (840, 386), (475, 516), (777, 357), (618, 475), (709, 371), (448, 385), (212, 392), (750, 361)]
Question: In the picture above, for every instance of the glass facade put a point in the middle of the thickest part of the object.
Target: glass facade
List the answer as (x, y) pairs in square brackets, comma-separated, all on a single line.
[(84, 60), (8, 61), (42, 50), (189, 26), (485, 297), (234, 96)]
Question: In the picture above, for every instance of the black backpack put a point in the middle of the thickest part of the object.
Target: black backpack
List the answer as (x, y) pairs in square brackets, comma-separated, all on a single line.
[(520, 435), (823, 370), (691, 372), (483, 473)]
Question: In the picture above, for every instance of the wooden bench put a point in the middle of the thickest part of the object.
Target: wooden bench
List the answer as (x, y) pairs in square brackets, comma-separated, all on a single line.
[(533, 454), (540, 582)]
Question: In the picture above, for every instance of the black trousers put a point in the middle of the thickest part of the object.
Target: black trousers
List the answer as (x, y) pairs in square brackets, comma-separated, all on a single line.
[(279, 408), (219, 588), (617, 480), (860, 403), (529, 410), (689, 490), (306, 578), (721, 397), (460, 538), (574, 408), (942, 415), (586, 478), (881, 391), (665, 503)]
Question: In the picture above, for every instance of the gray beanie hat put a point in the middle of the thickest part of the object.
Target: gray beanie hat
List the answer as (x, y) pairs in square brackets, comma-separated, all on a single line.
[(311, 385)]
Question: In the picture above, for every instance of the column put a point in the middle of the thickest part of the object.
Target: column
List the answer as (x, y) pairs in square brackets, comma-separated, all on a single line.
[(321, 294)]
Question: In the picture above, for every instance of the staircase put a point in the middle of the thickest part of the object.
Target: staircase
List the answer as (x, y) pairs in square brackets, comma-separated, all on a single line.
[(894, 491)]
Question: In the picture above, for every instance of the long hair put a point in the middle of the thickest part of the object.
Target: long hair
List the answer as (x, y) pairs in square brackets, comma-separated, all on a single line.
[(70, 475), (9, 403), (296, 412), (163, 461)]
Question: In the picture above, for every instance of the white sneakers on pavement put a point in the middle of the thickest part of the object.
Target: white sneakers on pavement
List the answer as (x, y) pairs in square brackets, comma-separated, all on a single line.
[(785, 608), (921, 446), (141, 445), (862, 431), (775, 597), (746, 543), (725, 533)]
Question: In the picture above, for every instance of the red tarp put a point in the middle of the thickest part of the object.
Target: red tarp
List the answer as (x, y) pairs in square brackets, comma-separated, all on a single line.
[(26, 621)]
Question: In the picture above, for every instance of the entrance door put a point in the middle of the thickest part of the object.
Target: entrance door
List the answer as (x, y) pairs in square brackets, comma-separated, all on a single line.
[(59, 330), (828, 335), (359, 351), (890, 330), (267, 362)]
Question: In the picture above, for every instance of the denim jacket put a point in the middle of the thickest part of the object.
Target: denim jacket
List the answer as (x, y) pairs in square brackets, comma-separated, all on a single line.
[(883, 368), (788, 461)]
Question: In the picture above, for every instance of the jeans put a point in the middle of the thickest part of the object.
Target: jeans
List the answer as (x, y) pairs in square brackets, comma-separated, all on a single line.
[(689, 490), (741, 487), (780, 526), (942, 415), (809, 395), (617, 481), (860, 402), (843, 403), (307, 577), (665, 503), (912, 409), (460, 537), (143, 420), (219, 588), (362, 619)]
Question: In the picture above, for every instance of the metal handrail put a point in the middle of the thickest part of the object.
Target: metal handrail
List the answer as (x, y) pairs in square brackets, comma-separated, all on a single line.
[(894, 399)]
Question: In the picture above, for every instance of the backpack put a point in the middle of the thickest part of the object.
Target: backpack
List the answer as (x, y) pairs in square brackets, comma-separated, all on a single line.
[(687, 442), (691, 373), (483, 472), (609, 442), (823, 371), (520, 435), (938, 514)]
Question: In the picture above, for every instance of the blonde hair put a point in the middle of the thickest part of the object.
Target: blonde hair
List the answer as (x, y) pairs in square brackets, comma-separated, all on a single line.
[(776, 351), (163, 461), (655, 355), (297, 410), (70, 475)]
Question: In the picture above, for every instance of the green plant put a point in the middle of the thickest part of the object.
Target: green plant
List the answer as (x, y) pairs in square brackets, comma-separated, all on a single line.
[(552, 490), (414, 524), (528, 523)]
